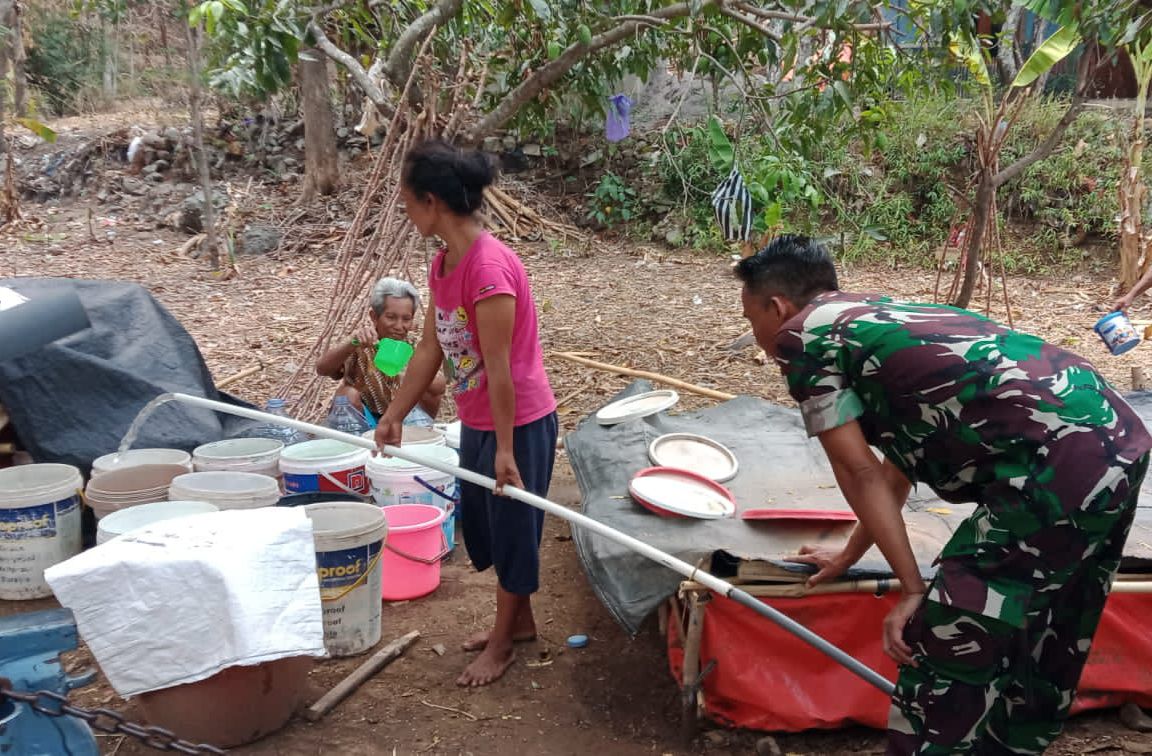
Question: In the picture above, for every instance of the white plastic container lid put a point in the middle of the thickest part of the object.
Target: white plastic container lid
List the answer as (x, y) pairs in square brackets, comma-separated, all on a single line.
[(698, 454), (637, 406), (440, 454)]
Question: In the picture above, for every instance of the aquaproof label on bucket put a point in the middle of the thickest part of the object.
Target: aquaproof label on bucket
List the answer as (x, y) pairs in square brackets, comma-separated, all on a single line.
[(350, 592), (337, 481), (1117, 333), (33, 539)]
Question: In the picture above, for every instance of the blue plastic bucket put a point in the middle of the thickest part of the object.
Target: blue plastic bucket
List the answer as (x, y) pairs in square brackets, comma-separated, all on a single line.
[(1117, 333)]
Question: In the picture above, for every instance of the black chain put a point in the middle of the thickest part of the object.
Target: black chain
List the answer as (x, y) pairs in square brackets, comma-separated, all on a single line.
[(105, 720)]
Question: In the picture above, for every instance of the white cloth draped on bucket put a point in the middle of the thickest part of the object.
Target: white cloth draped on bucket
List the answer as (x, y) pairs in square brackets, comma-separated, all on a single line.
[(180, 600)]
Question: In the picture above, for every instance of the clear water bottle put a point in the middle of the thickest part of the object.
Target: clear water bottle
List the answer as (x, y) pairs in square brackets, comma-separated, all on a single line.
[(419, 417), (281, 433), (345, 418)]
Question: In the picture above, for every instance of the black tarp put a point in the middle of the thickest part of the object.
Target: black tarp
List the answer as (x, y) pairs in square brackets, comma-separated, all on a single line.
[(778, 465), (73, 400)]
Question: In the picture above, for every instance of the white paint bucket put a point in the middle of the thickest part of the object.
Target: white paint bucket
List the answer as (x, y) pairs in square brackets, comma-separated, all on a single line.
[(1117, 333), (349, 537), (250, 455), (324, 465), (398, 481), (451, 432), (126, 520), (137, 457), (414, 435), (39, 526), (227, 490)]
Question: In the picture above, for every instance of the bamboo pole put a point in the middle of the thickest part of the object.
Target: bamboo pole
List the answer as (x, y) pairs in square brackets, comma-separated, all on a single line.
[(873, 586), (239, 376), (654, 377)]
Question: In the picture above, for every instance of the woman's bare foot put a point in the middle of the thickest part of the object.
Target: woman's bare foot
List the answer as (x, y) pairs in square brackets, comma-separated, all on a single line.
[(479, 641), (486, 668)]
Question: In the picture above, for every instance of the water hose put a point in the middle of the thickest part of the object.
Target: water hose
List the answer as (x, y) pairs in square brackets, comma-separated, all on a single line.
[(689, 571)]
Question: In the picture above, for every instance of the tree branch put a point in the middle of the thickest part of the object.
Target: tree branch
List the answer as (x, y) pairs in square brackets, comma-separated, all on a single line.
[(543, 77), (771, 15), (1044, 149), (750, 22), (362, 78), (398, 67)]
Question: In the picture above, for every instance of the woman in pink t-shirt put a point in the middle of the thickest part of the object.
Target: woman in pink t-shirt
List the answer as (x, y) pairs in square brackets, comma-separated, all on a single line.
[(481, 327)]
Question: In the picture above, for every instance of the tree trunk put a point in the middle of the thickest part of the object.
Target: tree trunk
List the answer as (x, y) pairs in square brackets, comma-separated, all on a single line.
[(321, 161), (19, 75), (982, 211), (110, 72), (1006, 59), (209, 214), (162, 24)]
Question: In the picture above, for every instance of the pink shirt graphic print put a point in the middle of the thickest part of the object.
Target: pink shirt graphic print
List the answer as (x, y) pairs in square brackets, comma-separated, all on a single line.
[(488, 269)]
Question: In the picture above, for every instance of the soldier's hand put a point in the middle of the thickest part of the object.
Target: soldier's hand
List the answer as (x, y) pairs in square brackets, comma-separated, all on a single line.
[(830, 563), (894, 644)]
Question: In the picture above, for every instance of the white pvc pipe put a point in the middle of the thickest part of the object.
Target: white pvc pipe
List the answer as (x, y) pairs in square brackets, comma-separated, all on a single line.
[(656, 555)]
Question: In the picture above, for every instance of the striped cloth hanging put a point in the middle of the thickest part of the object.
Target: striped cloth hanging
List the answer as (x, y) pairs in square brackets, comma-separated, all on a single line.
[(733, 205)]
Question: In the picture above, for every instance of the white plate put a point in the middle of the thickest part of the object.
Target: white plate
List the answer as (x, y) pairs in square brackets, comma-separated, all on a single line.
[(698, 454), (636, 407), (682, 495)]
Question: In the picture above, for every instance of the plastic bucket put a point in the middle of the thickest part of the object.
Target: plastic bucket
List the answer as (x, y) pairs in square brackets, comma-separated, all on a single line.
[(451, 432), (410, 566), (126, 520), (136, 457), (324, 465), (227, 490), (315, 497), (398, 481), (349, 537), (39, 526), (251, 455), (1117, 333), (414, 435), (128, 486)]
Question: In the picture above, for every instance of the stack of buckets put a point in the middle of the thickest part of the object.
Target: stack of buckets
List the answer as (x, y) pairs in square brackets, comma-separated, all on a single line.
[(420, 504)]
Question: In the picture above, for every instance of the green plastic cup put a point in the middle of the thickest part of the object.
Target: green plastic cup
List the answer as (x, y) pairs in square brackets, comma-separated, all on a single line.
[(392, 356)]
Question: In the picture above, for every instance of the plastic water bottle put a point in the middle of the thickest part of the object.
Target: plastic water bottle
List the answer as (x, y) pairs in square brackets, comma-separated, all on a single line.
[(346, 419), (281, 433), (419, 417)]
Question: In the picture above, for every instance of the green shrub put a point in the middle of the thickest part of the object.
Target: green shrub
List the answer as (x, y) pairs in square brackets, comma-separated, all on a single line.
[(64, 60)]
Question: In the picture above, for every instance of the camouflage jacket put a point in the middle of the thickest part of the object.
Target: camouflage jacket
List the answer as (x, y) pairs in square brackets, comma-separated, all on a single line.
[(976, 411)]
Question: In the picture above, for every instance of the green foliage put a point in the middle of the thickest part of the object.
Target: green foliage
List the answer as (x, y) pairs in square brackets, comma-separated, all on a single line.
[(255, 43), (38, 128), (900, 202), (63, 59), (612, 201)]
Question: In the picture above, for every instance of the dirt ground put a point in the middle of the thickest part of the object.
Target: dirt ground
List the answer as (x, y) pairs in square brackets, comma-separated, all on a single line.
[(670, 312)]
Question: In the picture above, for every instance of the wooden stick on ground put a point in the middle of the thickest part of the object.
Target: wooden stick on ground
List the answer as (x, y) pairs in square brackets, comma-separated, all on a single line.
[(239, 376), (345, 687), (654, 377)]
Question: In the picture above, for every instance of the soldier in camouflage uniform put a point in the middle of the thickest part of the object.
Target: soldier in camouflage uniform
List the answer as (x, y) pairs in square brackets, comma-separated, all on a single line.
[(991, 651)]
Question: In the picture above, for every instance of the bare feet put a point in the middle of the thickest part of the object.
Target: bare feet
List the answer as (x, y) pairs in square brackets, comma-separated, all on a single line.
[(479, 641), (486, 668)]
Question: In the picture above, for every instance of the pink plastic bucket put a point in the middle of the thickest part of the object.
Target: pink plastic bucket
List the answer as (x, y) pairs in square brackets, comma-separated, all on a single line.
[(410, 564)]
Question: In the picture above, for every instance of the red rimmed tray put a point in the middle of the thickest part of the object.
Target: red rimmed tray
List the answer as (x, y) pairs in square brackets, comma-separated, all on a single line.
[(671, 492)]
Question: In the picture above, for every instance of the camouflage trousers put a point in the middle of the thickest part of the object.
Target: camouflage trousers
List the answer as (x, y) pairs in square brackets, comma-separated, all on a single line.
[(985, 686)]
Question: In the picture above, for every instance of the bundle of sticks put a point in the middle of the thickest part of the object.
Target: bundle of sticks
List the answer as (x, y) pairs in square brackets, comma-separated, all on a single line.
[(389, 247)]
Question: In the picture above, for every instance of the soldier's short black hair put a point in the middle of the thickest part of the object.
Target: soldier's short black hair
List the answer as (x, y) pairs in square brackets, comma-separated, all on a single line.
[(794, 266)]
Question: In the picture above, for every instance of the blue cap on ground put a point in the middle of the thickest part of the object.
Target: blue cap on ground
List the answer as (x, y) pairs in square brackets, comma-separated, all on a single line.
[(577, 641)]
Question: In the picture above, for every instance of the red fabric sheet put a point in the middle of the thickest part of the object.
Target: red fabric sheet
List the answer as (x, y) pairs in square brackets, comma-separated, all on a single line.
[(766, 679)]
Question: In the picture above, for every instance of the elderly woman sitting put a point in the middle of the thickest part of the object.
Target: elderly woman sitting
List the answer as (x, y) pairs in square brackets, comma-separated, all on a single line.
[(392, 312)]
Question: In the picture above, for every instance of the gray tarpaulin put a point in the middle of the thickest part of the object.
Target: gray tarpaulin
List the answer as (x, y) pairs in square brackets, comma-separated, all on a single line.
[(779, 466), (72, 401)]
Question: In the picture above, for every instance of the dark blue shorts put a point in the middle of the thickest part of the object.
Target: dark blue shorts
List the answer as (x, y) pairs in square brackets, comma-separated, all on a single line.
[(501, 532)]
